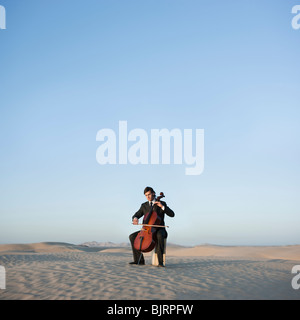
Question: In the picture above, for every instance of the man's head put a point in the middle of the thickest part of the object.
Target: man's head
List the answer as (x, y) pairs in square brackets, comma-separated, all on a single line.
[(149, 193)]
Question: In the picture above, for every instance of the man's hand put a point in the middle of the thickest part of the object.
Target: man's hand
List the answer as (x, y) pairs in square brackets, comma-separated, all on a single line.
[(159, 204), (135, 221)]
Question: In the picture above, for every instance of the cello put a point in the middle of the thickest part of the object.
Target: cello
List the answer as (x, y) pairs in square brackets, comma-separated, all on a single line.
[(145, 240)]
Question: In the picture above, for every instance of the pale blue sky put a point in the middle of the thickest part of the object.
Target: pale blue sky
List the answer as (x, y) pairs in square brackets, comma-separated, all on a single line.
[(70, 68)]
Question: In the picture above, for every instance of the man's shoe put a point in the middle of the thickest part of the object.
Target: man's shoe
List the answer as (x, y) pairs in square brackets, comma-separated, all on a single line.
[(141, 263), (161, 265)]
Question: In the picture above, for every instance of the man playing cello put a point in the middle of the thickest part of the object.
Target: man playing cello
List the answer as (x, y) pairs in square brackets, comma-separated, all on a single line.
[(161, 233)]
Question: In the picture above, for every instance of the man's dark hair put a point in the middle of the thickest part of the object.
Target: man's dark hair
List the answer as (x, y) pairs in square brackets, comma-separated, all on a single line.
[(149, 189)]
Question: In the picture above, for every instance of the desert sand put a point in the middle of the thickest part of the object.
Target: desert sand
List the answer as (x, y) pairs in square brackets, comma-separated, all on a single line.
[(52, 270)]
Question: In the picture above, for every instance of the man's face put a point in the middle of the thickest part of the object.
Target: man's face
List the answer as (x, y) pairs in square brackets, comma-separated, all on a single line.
[(149, 195)]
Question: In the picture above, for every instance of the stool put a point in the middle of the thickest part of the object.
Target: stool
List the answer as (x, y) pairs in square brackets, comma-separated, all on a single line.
[(154, 255)]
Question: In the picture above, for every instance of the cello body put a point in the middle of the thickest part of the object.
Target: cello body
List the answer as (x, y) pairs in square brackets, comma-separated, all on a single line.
[(145, 241)]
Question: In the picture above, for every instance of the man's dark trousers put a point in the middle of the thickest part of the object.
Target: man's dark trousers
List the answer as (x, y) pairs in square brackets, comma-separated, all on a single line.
[(161, 235)]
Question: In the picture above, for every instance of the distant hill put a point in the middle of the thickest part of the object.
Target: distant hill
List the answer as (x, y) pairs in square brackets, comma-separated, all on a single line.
[(109, 244), (105, 244)]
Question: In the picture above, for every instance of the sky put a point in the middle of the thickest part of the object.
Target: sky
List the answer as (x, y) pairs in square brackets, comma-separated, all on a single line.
[(69, 69)]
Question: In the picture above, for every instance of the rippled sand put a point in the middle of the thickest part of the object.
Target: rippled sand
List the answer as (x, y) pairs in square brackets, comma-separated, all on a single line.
[(64, 271)]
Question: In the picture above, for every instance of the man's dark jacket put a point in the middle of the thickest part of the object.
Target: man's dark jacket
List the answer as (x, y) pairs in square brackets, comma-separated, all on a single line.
[(145, 208)]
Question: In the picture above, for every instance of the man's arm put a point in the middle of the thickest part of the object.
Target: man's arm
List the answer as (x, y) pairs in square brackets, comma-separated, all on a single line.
[(165, 209), (138, 214)]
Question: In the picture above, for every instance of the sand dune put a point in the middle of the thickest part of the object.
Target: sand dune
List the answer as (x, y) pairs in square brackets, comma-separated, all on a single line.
[(43, 247), (38, 247), (268, 252), (276, 252), (53, 270)]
